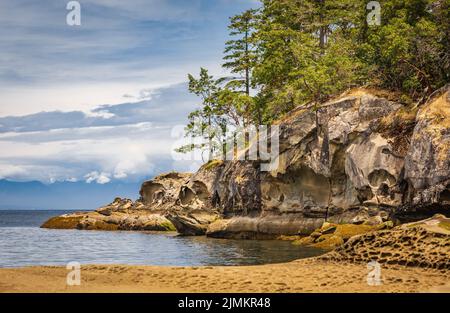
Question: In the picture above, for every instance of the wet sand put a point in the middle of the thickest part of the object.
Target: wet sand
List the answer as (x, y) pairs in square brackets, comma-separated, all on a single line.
[(307, 275)]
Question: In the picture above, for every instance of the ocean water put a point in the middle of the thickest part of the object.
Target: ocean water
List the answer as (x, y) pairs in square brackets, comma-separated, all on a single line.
[(23, 243)]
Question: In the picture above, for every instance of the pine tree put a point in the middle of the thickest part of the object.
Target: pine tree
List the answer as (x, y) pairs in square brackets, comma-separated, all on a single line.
[(239, 53), (409, 51), (293, 52), (202, 122), (305, 52), (240, 58)]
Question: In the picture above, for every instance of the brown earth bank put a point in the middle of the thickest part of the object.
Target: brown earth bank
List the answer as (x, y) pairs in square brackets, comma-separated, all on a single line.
[(302, 276)]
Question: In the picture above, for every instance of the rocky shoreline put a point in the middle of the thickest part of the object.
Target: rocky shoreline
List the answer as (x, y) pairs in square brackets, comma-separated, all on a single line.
[(361, 164), (121, 214)]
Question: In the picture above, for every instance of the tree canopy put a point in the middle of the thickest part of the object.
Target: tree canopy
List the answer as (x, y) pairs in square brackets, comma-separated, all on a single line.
[(292, 52)]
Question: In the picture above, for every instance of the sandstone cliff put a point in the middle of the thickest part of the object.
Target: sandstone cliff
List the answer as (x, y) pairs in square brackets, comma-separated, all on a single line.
[(358, 158)]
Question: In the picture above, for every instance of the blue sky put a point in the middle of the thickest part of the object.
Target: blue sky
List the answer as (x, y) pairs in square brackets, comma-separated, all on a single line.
[(97, 102)]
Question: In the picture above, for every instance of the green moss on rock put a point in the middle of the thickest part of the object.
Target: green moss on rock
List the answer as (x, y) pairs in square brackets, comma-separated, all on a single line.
[(445, 225), (331, 236), (63, 222), (305, 241), (328, 242), (346, 231), (168, 226), (212, 165), (101, 225)]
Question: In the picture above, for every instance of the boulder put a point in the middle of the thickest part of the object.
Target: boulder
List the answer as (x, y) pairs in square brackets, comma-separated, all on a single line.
[(374, 220), (328, 242), (118, 205), (66, 221), (163, 190), (191, 223), (263, 227)]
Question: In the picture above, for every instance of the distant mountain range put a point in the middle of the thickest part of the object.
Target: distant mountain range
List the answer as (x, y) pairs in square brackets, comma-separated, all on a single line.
[(63, 195)]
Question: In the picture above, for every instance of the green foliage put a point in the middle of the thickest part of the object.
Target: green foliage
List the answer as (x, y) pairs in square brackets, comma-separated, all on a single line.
[(294, 52), (221, 107), (203, 121), (306, 51), (409, 52), (212, 164), (240, 56)]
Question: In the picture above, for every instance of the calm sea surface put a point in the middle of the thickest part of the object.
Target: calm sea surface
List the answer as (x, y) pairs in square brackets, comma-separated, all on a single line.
[(23, 243)]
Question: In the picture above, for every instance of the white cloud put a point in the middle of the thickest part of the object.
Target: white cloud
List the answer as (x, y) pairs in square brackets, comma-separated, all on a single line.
[(121, 48), (101, 114), (124, 152), (134, 142), (100, 178), (8, 170)]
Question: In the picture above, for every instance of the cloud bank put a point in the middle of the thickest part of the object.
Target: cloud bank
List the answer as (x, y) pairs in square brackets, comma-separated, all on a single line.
[(127, 141), (134, 55)]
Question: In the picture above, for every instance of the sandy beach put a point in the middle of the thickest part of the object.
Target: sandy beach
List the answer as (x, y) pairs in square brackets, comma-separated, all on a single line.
[(302, 276)]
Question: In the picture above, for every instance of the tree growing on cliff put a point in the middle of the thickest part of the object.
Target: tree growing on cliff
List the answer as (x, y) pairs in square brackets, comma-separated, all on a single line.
[(300, 52), (240, 59), (305, 52), (221, 108), (409, 51), (239, 52), (204, 121)]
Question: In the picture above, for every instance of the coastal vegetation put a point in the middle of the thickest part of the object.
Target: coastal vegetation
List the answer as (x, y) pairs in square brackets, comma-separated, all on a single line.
[(289, 53)]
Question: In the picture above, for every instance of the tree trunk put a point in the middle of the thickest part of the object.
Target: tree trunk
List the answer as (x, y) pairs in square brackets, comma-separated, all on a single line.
[(210, 139), (322, 28), (323, 34), (247, 67)]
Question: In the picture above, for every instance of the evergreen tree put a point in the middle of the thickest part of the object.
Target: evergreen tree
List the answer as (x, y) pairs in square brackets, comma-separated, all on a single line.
[(409, 52), (203, 121), (294, 52), (240, 58), (239, 53), (305, 52)]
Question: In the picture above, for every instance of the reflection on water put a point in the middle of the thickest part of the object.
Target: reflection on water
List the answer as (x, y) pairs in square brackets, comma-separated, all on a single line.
[(30, 245)]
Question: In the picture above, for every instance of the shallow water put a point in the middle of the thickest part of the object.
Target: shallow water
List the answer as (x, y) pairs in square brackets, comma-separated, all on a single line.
[(23, 243)]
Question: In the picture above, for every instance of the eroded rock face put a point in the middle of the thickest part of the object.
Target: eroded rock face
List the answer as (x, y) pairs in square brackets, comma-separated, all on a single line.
[(195, 207), (427, 168), (423, 244), (145, 214), (332, 165), (191, 223), (340, 164), (263, 227), (162, 190), (238, 189), (331, 236), (118, 205)]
